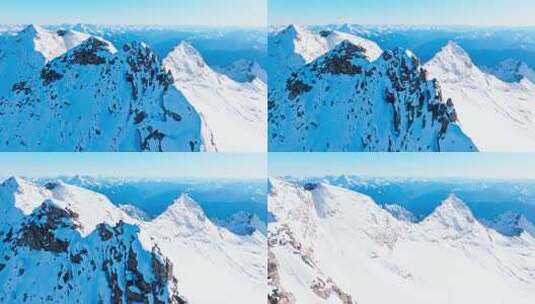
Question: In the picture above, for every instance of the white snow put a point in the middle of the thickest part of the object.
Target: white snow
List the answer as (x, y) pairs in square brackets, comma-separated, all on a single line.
[(375, 258), (496, 115), (234, 113)]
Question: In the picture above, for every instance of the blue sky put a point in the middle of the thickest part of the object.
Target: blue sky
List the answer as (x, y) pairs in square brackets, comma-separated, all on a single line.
[(218, 165), (471, 165), (164, 12), (409, 12)]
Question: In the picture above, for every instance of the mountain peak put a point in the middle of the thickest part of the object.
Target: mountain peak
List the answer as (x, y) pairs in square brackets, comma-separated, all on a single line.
[(186, 61), (33, 30), (13, 182), (454, 54), (184, 211), (294, 30), (453, 213)]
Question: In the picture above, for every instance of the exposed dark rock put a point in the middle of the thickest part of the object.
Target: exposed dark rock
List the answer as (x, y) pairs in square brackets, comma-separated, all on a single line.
[(340, 60), (296, 87), (104, 233), (87, 52), (39, 234), (310, 186), (48, 75), (140, 116), (21, 86)]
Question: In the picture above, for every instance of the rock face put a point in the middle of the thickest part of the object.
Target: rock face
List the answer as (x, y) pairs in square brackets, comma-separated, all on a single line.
[(106, 265), (342, 101)]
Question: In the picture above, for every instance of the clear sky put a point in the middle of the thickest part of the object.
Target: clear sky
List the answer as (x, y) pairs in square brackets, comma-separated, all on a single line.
[(470, 165), (218, 165), (408, 12), (161, 12)]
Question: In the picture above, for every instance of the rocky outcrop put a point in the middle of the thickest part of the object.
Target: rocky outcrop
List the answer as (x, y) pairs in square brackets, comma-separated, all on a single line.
[(384, 105)]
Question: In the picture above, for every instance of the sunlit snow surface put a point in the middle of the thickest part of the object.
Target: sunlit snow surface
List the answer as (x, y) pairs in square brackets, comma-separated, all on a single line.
[(332, 245)]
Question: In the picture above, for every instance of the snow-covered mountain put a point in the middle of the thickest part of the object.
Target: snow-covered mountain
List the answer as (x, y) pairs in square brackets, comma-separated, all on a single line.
[(351, 100), (24, 54), (512, 224), (332, 245), (496, 115), (207, 256), (98, 253), (511, 70), (244, 70), (295, 46), (243, 223), (234, 112), (68, 91)]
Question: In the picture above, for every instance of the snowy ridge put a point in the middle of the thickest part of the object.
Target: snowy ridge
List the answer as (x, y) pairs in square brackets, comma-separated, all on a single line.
[(295, 46), (25, 53), (94, 245), (227, 107), (385, 105), (496, 115), (347, 249)]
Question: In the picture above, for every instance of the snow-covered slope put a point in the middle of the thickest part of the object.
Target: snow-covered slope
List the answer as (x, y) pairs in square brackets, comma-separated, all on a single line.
[(25, 53), (496, 115), (209, 257), (98, 253), (78, 241), (234, 113), (295, 46), (511, 70), (343, 102), (95, 98), (332, 245)]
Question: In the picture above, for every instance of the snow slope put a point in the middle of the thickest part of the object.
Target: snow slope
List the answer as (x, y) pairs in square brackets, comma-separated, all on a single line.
[(208, 257), (234, 113), (496, 115), (101, 254), (332, 245), (342, 101)]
